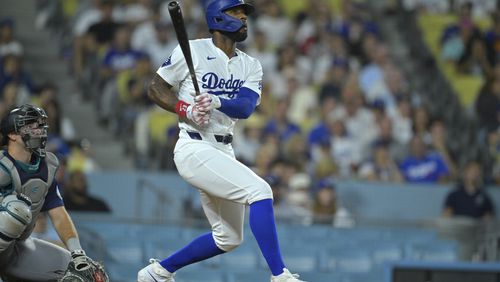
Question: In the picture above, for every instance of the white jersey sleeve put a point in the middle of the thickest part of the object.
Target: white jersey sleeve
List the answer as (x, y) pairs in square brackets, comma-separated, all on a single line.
[(254, 79), (174, 70)]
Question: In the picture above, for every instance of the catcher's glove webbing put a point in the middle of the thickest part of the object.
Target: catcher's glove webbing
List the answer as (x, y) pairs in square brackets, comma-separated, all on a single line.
[(81, 268)]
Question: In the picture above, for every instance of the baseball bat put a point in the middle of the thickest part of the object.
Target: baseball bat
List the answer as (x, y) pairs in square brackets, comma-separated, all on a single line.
[(174, 9)]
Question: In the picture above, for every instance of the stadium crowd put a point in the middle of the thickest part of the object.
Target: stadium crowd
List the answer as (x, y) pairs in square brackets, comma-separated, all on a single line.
[(334, 105)]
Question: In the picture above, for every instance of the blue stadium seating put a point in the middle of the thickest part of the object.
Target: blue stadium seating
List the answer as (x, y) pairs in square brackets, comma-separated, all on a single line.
[(382, 252), (317, 276), (125, 251), (123, 272), (248, 276), (245, 258), (201, 276), (301, 259), (351, 260), (318, 253), (437, 250)]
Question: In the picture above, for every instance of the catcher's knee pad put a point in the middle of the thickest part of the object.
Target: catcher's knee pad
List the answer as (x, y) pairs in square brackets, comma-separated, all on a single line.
[(15, 215), (260, 190)]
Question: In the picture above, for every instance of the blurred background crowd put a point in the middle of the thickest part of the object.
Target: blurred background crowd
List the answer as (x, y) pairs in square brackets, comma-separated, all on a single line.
[(373, 114), (339, 101)]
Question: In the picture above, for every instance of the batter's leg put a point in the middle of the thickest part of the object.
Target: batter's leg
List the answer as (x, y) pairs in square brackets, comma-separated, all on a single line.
[(226, 219), (37, 260), (220, 174)]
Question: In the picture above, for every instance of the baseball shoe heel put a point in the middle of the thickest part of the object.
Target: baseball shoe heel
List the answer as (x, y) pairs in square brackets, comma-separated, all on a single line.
[(154, 272), (286, 276)]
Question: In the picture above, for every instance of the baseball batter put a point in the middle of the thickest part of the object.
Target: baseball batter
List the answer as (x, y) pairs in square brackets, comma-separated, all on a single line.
[(28, 187), (230, 82)]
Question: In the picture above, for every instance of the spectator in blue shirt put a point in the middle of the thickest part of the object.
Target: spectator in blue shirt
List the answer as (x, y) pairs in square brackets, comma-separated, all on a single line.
[(121, 56), (469, 198), (12, 70), (422, 166), (280, 125)]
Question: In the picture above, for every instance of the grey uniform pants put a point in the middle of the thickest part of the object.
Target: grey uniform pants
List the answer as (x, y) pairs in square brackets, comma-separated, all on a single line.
[(33, 260)]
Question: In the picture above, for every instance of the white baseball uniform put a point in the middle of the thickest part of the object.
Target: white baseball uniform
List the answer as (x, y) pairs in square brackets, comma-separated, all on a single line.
[(203, 155)]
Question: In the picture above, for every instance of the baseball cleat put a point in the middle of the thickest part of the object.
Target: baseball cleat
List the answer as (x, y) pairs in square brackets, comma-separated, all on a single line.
[(286, 276), (154, 272)]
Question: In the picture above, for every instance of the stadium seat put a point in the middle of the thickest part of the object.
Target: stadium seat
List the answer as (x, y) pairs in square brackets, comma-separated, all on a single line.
[(109, 231), (125, 251), (122, 272), (161, 248), (363, 277), (438, 250), (248, 276), (300, 259), (382, 252), (244, 258), (411, 235), (350, 260), (200, 276), (317, 276)]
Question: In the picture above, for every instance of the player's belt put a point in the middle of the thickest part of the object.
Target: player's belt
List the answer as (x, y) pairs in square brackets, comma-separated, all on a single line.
[(225, 139)]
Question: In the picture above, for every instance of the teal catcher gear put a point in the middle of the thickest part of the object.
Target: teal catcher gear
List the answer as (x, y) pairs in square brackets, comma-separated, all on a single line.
[(15, 216), (217, 19), (31, 123)]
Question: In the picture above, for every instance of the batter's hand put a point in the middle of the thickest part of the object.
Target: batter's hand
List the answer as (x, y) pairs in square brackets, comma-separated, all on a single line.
[(207, 102), (199, 117)]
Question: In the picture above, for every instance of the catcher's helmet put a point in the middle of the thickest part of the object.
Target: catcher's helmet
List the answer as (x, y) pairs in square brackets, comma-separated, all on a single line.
[(218, 20), (35, 138)]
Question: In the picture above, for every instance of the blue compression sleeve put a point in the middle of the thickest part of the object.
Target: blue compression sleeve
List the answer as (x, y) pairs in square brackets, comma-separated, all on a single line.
[(264, 230), (199, 249), (240, 107)]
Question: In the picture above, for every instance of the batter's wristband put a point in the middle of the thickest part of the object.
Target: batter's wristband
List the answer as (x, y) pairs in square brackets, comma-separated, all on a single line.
[(181, 108)]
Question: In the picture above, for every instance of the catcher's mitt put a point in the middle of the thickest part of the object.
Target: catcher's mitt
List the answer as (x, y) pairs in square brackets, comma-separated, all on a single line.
[(81, 268)]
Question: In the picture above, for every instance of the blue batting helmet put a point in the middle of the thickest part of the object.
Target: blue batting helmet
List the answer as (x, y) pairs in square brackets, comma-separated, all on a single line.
[(218, 20)]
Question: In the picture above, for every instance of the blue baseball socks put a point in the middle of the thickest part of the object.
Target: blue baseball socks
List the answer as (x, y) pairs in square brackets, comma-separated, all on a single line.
[(199, 249), (264, 231)]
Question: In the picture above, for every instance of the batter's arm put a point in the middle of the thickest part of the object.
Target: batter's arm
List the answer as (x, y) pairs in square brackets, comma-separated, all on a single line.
[(64, 226), (161, 93)]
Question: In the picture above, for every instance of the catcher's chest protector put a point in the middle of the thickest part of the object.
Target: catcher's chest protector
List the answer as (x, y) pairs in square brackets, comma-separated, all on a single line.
[(33, 184)]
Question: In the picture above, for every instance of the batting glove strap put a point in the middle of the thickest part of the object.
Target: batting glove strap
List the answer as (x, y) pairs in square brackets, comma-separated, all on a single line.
[(181, 108)]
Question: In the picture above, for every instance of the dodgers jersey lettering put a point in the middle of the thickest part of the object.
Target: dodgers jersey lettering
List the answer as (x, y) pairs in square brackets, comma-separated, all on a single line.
[(216, 74)]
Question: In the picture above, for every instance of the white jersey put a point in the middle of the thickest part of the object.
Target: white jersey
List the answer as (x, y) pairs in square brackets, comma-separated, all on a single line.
[(216, 74)]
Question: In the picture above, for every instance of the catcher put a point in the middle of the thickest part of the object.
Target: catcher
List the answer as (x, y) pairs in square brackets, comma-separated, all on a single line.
[(28, 187)]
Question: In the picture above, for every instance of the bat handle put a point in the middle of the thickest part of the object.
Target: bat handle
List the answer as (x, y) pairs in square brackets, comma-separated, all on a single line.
[(173, 5), (195, 84)]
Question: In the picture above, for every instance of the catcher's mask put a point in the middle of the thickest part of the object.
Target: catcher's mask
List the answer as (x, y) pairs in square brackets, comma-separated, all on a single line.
[(31, 123)]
